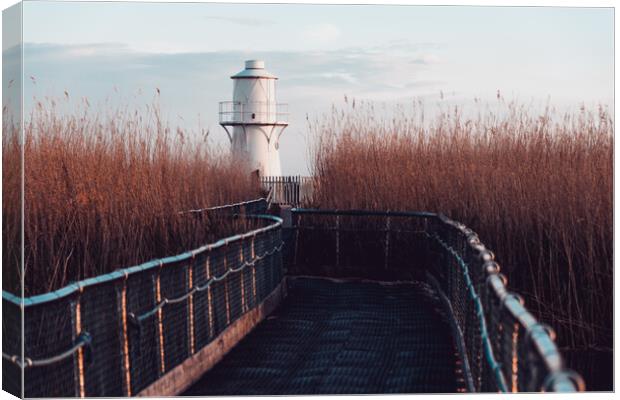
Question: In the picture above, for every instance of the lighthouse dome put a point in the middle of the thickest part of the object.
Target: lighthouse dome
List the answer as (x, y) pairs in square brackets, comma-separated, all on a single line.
[(254, 69)]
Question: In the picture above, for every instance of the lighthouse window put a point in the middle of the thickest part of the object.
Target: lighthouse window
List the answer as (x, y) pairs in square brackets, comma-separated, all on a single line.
[(253, 115)]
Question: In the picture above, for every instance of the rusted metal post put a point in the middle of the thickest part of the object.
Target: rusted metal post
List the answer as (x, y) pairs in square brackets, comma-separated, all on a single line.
[(337, 240), (76, 317), (241, 276), (387, 240), (253, 255), (295, 219), (121, 306), (190, 305), (160, 326), (515, 358), (226, 294), (209, 296)]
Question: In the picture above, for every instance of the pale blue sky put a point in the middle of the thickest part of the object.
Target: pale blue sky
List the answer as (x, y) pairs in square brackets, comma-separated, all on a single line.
[(320, 53)]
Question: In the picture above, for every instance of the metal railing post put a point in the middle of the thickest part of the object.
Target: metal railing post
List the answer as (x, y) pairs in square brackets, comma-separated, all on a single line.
[(226, 294), (337, 240), (253, 255), (76, 319), (241, 261), (209, 296), (296, 219), (160, 326), (121, 307), (387, 241), (190, 305)]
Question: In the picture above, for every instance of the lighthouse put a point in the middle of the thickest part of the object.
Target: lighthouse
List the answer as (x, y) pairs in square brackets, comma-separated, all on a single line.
[(254, 121)]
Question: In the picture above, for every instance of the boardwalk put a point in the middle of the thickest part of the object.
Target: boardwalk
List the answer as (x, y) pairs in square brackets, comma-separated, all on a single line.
[(214, 320), (342, 337)]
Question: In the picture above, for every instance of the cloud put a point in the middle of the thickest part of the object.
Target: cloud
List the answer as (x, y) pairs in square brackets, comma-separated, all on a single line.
[(52, 52), (426, 59), (346, 77), (251, 22), (192, 83), (116, 64), (321, 33)]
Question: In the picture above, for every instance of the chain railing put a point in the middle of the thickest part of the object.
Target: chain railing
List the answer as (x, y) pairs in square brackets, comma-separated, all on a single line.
[(502, 346), (115, 334), (507, 348)]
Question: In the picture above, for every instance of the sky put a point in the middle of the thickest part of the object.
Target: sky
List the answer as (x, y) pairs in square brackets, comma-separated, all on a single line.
[(119, 53)]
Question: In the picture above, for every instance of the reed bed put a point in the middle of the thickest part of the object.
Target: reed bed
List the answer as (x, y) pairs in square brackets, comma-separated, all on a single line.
[(536, 187), (104, 191)]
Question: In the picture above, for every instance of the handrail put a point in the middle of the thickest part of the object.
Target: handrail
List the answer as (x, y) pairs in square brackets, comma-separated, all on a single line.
[(539, 338), (153, 264), (500, 379), (542, 336), (365, 212), (60, 324), (164, 301), (222, 207), (83, 339)]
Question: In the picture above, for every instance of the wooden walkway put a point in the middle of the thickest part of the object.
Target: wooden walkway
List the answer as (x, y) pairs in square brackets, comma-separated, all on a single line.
[(332, 337)]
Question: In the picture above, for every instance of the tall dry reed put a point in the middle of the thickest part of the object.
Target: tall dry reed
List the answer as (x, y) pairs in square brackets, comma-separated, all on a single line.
[(537, 189), (104, 191)]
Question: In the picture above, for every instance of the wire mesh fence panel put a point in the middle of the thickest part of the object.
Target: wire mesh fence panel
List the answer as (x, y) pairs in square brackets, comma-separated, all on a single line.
[(277, 246), (143, 334), (406, 247), (49, 331), (12, 346), (507, 349), (269, 265), (116, 334), (372, 245), (249, 274), (232, 257), (101, 320), (173, 282), (361, 246), (496, 337), (202, 305), (219, 291), (314, 244)]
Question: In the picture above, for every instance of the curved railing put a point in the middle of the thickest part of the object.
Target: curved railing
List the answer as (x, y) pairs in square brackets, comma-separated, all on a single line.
[(502, 346), (257, 112), (507, 349), (115, 334)]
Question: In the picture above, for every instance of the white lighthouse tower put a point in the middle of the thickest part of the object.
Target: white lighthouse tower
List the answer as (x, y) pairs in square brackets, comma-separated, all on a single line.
[(256, 120)]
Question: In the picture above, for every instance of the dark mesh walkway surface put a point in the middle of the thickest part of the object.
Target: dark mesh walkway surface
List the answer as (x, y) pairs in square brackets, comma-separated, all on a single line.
[(341, 337)]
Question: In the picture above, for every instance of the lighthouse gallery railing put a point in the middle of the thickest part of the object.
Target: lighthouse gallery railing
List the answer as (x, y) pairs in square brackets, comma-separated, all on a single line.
[(234, 112)]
